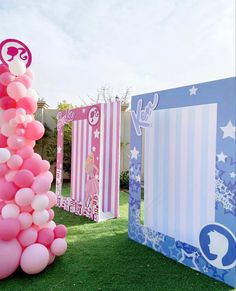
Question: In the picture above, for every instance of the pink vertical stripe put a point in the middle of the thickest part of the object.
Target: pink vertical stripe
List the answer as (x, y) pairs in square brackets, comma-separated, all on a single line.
[(72, 179), (104, 157), (111, 157), (117, 161)]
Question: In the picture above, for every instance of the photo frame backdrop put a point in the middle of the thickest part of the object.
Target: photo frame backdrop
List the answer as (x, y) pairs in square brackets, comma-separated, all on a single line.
[(95, 160), (186, 137)]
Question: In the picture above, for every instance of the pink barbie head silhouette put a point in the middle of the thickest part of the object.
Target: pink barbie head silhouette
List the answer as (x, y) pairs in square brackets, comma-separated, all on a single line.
[(11, 49)]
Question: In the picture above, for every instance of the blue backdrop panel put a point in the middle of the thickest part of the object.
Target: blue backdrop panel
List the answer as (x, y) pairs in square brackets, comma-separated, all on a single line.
[(187, 139)]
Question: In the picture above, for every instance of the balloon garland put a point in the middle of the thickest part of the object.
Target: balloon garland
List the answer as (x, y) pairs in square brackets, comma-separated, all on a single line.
[(29, 237)]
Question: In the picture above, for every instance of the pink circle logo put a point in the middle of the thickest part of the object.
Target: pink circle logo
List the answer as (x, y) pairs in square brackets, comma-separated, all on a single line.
[(11, 49), (93, 115)]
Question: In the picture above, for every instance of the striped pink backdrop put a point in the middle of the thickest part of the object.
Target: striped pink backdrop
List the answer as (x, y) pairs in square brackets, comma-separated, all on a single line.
[(110, 156), (81, 148), (106, 148)]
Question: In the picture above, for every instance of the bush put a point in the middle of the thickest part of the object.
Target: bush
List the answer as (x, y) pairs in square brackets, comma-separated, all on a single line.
[(124, 180)]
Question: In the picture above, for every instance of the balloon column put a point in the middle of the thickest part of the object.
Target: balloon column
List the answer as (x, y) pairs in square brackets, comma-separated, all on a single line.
[(29, 237)]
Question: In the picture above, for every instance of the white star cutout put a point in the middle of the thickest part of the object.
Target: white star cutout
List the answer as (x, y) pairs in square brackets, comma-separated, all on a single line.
[(134, 153), (193, 91), (96, 133), (221, 157), (229, 130), (93, 149), (187, 255), (83, 110), (233, 175), (59, 150), (97, 158), (138, 178)]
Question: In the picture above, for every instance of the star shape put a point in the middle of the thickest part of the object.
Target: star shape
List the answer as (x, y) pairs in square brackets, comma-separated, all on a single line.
[(59, 150), (96, 133), (205, 269), (233, 175), (193, 91), (93, 149), (192, 256), (229, 130), (221, 157), (97, 158), (174, 252), (138, 178), (134, 153), (83, 110)]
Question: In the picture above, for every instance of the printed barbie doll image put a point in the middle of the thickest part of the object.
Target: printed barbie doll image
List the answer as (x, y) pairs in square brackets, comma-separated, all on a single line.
[(92, 185)]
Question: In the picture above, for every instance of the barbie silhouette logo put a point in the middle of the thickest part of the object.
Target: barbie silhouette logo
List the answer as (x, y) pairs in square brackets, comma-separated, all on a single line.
[(11, 49), (93, 115), (218, 246)]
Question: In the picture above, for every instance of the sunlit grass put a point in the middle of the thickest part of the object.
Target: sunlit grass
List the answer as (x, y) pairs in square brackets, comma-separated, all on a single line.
[(101, 257)]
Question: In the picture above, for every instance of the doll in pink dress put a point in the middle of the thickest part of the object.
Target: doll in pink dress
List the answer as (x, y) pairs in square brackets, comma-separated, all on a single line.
[(92, 185)]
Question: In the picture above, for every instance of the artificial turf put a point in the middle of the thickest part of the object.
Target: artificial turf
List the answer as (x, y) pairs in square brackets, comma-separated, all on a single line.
[(101, 257)]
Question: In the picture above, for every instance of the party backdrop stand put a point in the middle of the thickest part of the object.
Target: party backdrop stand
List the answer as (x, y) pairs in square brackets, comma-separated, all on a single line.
[(95, 161), (187, 137)]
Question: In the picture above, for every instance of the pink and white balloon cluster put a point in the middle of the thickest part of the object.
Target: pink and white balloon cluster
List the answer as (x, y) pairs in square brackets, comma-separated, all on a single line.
[(28, 235)]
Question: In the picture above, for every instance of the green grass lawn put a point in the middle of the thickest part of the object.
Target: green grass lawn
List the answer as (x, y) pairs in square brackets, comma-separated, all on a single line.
[(101, 257)]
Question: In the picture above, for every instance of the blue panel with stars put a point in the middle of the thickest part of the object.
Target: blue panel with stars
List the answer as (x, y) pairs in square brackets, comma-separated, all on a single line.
[(214, 253)]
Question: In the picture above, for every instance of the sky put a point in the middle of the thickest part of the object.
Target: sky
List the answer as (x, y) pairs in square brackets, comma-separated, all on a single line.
[(79, 46)]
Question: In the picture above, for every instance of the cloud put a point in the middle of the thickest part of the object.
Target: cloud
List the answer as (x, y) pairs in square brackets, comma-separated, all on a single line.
[(150, 45)]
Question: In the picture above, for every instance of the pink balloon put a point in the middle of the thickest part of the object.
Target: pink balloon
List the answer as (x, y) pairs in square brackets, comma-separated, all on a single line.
[(51, 214), (45, 166), (34, 259), (28, 237), (26, 80), (33, 164), (41, 185), (45, 236), (24, 196), (10, 254), (9, 228), (51, 258), (8, 190), (9, 114), (3, 141), (58, 246), (35, 130), (25, 152), (29, 104), (25, 220), (16, 90), (6, 103), (24, 179), (27, 208), (15, 142), (15, 162), (60, 231), (6, 78), (52, 199), (3, 169), (2, 204)]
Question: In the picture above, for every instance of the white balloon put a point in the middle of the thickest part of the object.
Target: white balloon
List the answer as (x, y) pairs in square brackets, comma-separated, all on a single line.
[(40, 217), (32, 93), (10, 211), (17, 67), (10, 175), (7, 130), (4, 155), (28, 118), (51, 224), (40, 202)]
